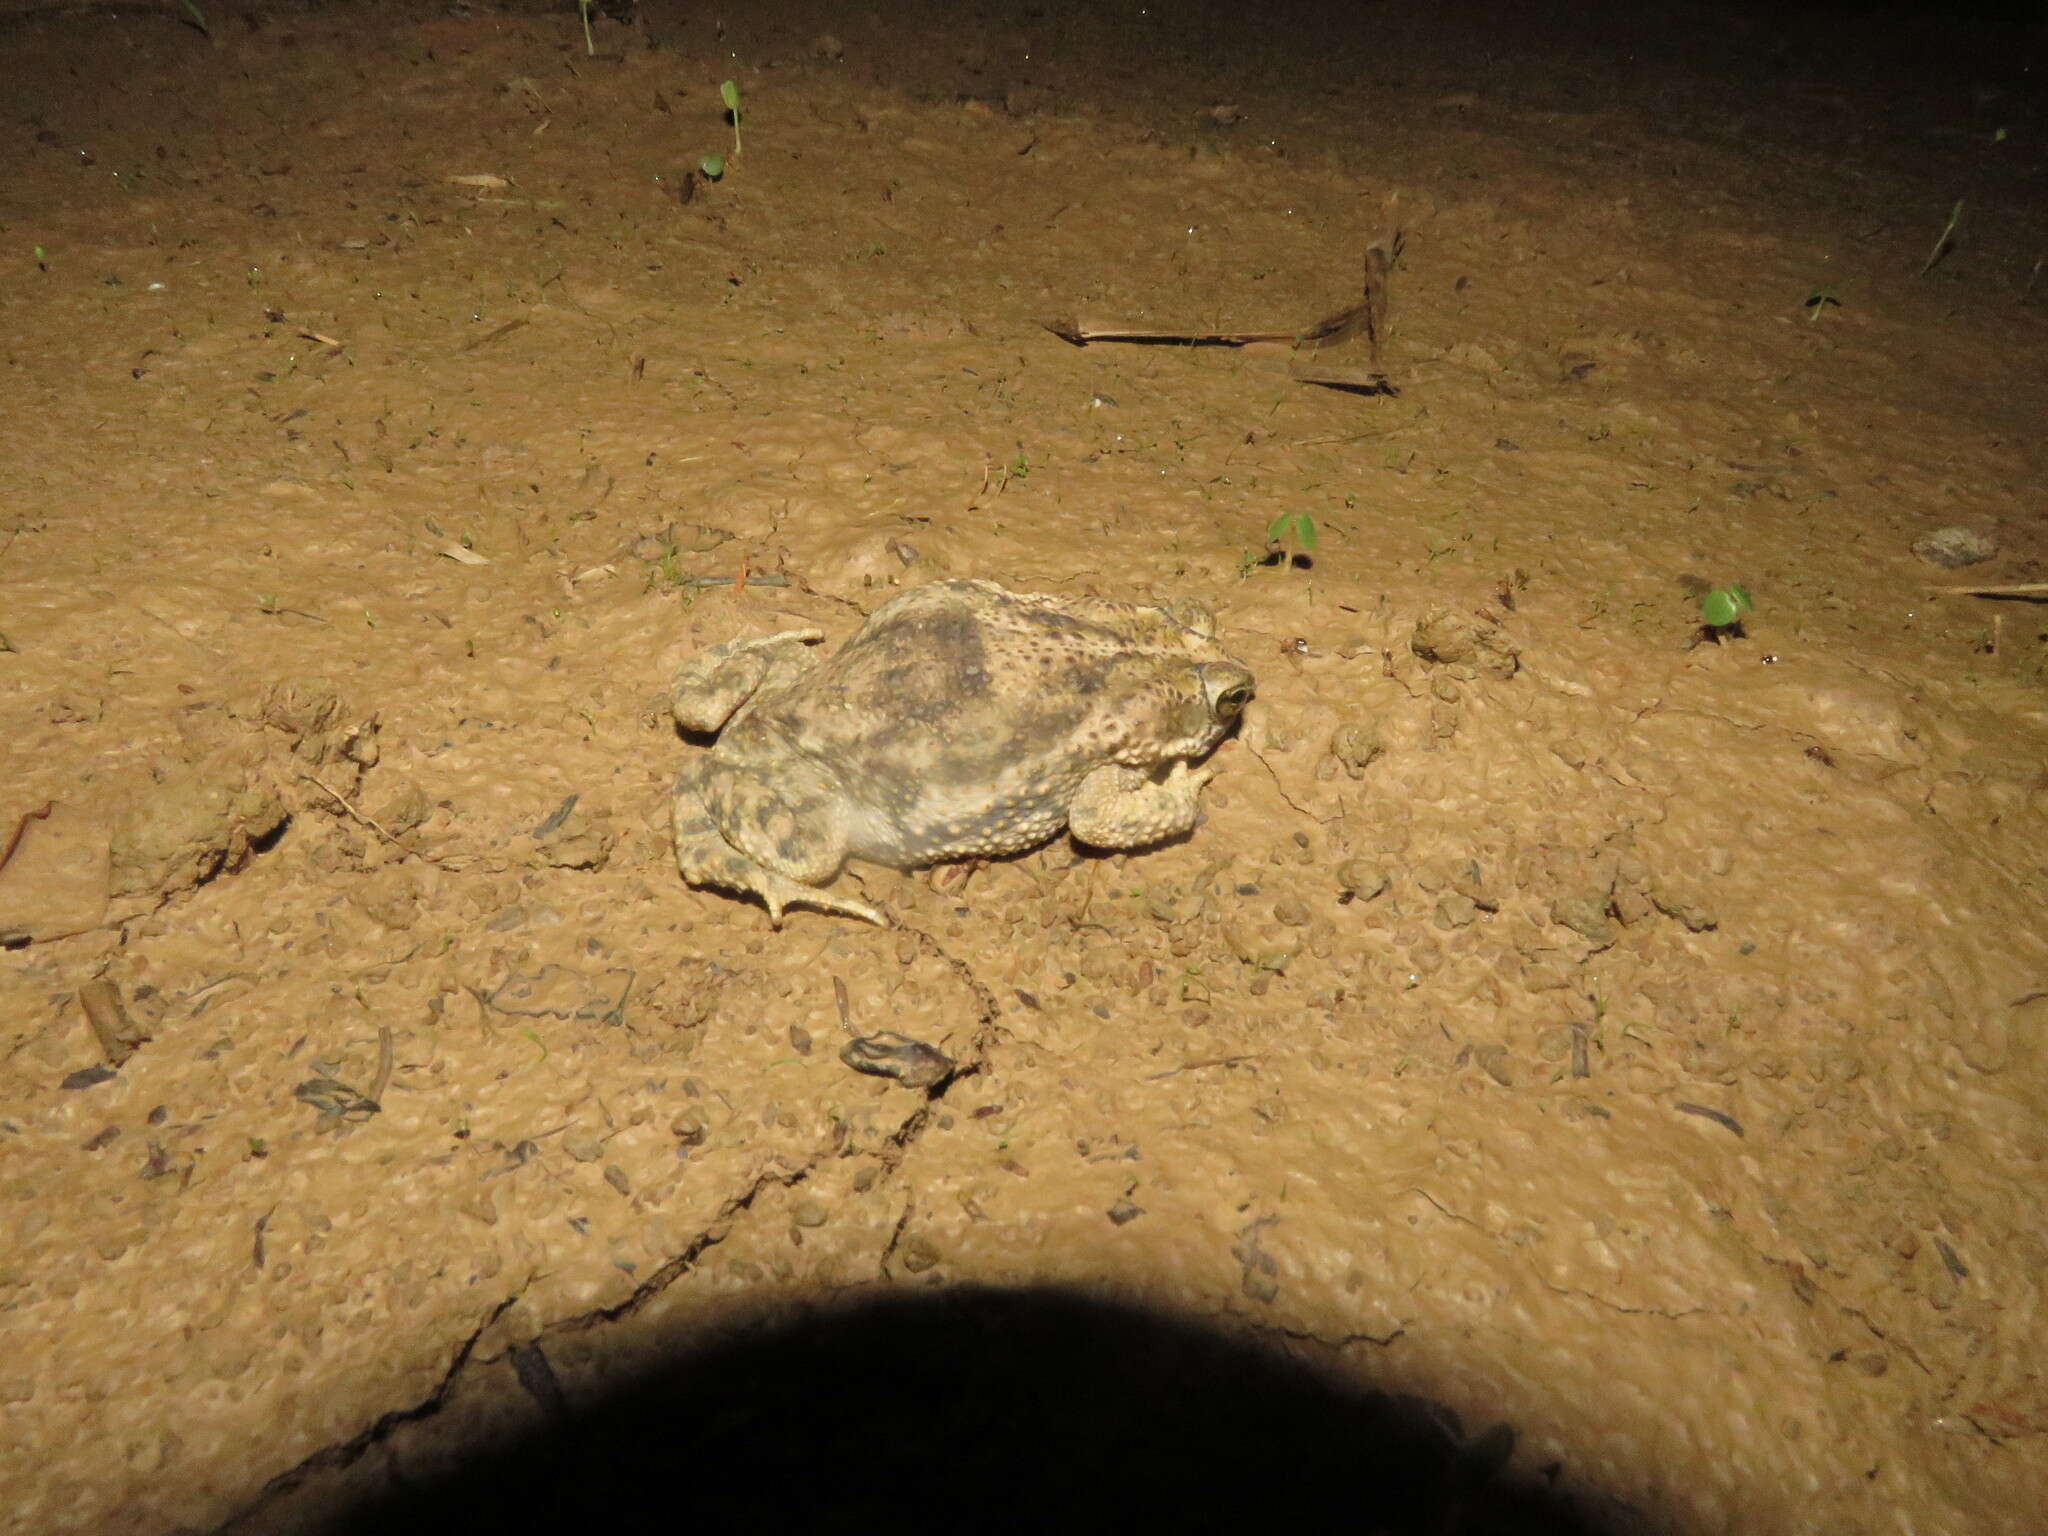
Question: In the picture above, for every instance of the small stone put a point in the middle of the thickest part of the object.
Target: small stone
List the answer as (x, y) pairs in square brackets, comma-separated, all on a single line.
[(615, 1176), (810, 1212), (1955, 546)]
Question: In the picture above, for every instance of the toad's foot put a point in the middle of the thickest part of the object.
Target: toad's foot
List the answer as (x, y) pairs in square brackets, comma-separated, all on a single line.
[(1119, 807), (706, 858)]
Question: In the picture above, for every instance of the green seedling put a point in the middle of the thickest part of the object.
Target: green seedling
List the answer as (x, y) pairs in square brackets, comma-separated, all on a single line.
[(729, 93), (1722, 608), (1818, 300), (1298, 526), (583, 6), (196, 16), (42, 262), (713, 167)]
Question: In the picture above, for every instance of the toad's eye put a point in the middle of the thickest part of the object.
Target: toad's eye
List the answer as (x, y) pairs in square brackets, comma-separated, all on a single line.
[(1231, 701)]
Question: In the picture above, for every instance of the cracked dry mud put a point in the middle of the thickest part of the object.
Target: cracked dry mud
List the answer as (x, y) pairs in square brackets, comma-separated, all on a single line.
[(1632, 1042)]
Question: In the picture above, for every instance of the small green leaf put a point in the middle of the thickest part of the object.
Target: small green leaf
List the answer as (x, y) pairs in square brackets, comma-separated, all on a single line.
[(1725, 605), (730, 94), (1305, 531), (712, 166), (1278, 526)]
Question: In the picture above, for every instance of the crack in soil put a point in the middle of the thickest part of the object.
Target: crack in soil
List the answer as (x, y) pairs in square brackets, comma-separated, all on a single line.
[(346, 1453)]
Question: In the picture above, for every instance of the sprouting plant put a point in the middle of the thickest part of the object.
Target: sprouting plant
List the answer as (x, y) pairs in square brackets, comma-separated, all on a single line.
[(582, 6), (1301, 528), (196, 16), (1818, 299), (1017, 469), (1722, 608), (729, 93), (713, 167)]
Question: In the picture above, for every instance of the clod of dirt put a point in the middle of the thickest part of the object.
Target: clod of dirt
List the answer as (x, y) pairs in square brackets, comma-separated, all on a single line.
[(918, 1255), (307, 707), (1355, 746), (578, 840), (404, 809), (1455, 911), (1263, 950), (389, 898), (1443, 639), (1684, 907), (314, 714), (1587, 916), (1493, 1061), (1361, 880), (888, 1054), (1292, 911), (1955, 546), (190, 826)]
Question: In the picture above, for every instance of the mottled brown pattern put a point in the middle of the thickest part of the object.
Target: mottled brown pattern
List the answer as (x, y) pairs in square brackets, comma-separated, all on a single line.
[(962, 720)]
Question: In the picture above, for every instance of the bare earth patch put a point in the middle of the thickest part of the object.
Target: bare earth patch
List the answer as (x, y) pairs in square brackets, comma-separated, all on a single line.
[(1623, 1034)]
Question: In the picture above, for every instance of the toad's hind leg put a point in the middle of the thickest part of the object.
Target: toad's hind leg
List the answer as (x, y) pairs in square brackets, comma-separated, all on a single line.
[(709, 689), (772, 853), (1118, 807)]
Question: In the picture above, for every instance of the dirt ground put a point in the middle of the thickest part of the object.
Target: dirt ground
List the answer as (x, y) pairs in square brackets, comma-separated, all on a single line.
[(1626, 1036)]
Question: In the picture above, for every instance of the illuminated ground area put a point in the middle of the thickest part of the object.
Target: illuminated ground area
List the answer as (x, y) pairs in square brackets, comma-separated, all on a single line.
[(1632, 1041)]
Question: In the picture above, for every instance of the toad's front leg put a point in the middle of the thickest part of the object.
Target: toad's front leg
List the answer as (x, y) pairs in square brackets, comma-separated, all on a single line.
[(1119, 807)]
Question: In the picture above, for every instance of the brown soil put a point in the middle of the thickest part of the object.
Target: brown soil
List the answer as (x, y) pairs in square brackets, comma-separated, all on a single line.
[(1633, 1041)]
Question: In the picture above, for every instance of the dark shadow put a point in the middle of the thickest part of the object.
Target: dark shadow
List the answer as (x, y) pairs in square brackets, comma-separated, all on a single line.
[(983, 1410)]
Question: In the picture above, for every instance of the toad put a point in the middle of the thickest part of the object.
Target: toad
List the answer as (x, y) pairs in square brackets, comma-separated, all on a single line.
[(961, 721)]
